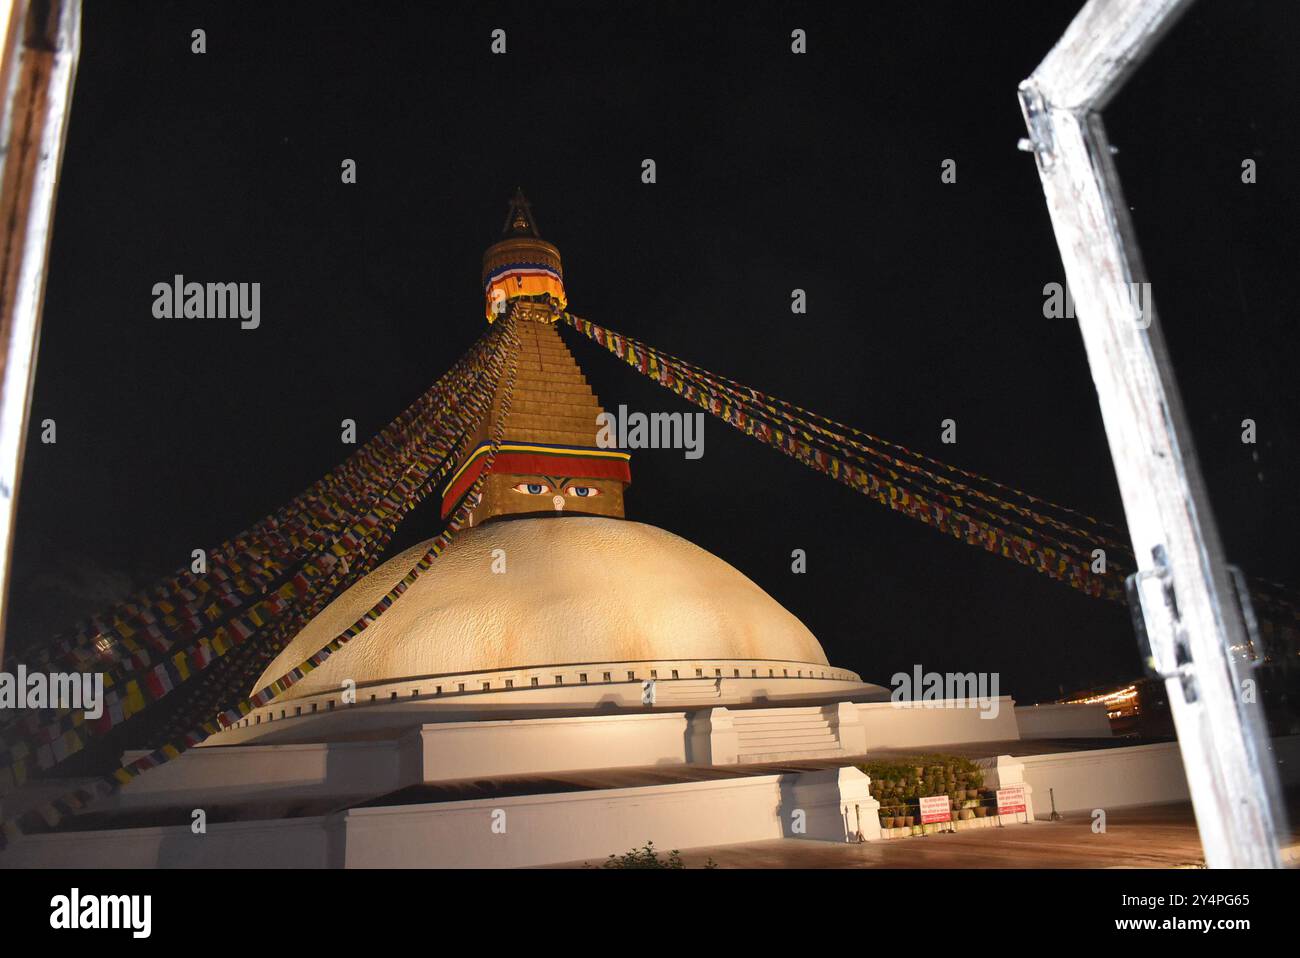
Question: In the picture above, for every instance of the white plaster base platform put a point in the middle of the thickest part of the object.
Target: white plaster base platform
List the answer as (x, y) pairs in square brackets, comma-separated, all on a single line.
[(500, 832), (493, 792)]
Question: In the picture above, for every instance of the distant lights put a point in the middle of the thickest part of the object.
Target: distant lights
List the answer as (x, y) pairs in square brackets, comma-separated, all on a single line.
[(1120, 697)]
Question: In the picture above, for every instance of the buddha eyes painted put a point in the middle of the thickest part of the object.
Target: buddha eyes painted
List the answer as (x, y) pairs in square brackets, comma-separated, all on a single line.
[(545, 488), (533, 488), (561, 489)]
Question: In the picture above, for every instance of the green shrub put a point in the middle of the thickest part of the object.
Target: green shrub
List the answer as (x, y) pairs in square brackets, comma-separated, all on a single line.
[(937, 769), (647, 857)]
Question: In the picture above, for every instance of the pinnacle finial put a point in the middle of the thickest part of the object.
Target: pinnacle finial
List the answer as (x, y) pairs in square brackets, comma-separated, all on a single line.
[(519, 218)]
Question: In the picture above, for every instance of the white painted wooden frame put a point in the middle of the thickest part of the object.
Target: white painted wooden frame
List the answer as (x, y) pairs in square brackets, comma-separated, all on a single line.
[(39, 66), (1187, 598)]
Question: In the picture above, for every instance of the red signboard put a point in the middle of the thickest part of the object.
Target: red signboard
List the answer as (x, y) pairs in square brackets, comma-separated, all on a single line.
[(935, 808), (1011, 800)]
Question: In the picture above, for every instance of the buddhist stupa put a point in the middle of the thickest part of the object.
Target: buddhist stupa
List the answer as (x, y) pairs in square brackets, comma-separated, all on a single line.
[(552, 585), (561, 683)]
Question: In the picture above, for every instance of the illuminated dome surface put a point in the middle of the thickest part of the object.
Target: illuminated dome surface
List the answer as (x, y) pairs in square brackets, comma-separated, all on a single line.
[(575, 589)]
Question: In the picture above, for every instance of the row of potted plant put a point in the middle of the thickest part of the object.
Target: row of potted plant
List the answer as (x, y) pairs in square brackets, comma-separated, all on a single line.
[(909, 814), (899, 784)]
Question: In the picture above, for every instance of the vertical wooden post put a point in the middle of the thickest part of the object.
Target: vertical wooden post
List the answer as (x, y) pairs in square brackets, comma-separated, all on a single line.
[(1188, 601), (42, 40)]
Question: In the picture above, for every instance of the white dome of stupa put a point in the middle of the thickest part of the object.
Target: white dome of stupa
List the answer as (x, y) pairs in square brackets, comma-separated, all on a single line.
[(574, 590)]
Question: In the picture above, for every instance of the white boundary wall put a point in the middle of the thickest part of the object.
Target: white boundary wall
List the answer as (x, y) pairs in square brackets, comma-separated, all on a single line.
[(1106, 778), (278, 843), (1063, 721), (467, 750), (542, 829), (1132, 775), (530, 829), (930, 725)]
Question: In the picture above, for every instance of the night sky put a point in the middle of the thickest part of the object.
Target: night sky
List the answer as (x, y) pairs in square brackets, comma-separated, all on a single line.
[(775, 171)]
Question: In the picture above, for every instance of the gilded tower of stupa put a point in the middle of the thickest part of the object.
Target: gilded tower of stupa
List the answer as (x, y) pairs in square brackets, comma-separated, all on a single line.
[(550, 461)]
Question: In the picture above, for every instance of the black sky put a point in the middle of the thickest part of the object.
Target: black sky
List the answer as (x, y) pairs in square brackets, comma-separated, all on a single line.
[(775, 171)]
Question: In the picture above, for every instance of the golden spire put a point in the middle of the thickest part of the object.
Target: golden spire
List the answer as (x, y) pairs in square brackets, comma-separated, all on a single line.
[(519, 217), (522, 265)]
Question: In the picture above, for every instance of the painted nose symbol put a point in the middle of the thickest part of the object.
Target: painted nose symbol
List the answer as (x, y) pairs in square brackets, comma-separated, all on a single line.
[(559, 503)]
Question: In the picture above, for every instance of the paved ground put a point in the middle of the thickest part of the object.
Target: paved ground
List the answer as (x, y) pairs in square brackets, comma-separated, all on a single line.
[(1151, 836)]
